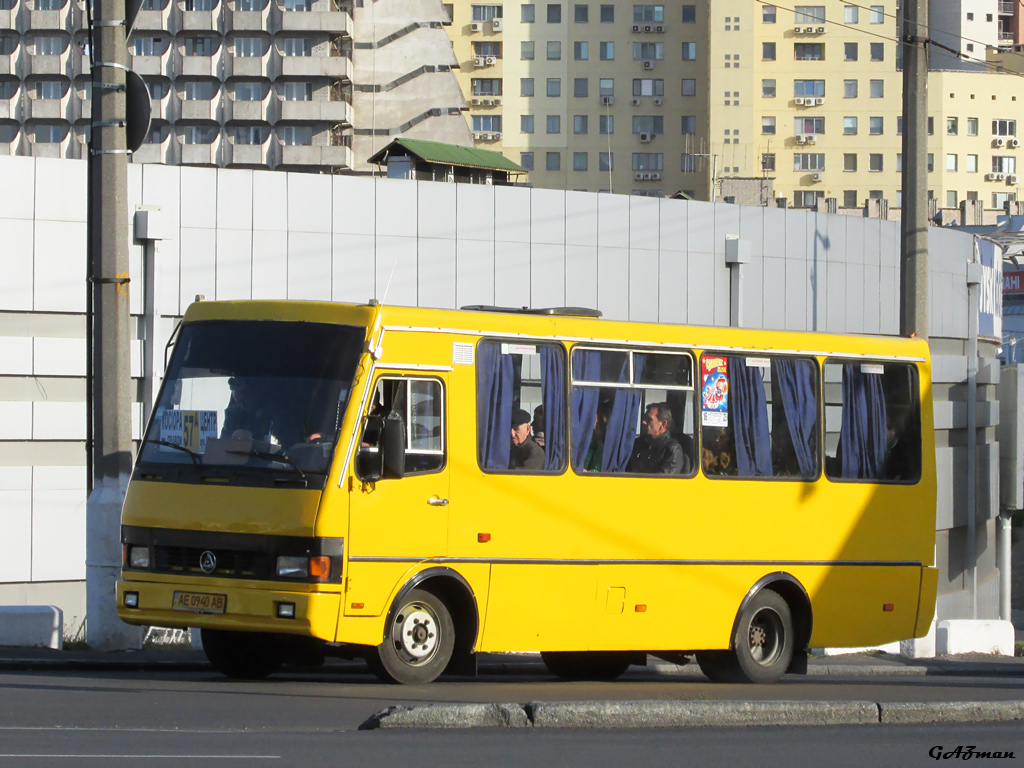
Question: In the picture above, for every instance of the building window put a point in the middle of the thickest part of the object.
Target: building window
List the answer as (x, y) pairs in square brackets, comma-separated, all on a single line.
[(931, 126), (648, 161), (50, 134), (808, 161), (480, 12), (581, 13), (768, 161), (877, 51), (805, 125), (876, 125), (877, 89), (849, 89), (526, 123), (768, 14), (606, 124), (553, 161), (1004, 164), (849, 126), (689, 51), (654, 124), (767, 125), (200, 46), (877, 14), (972, 126), (580, 51), (297, 46), (486, 123), (809, 51), (806, 198), (201, 134), (607, 51), (606, 86), (247, 46), (526, 160), (808, 88), (580, 87), (553, 124), (951, 163), (251, 135), (554, 14), (875, 162), (526, 50), (486, 86), (768, 89), (607, 14), (244, 91), (49, 45), (931, 162), (768, 51), (850, 198), (850, 162), (204, 90), (648, 51), (689, 86), (690, 163), (605, 161), (579, 161), (526, 86), (554, 86), (648, 14), (972, 164), (579, 124), (301, 6), (554, 49), (49, 89), (689, 124), (951, 201), (689, 14), (952, 126), (851, 16), (527, 15), (1004, 127), (648, 87), (809, 14)]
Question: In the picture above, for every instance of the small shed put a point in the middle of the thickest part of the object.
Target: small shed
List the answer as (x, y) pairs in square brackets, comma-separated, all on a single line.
[(434, 161)]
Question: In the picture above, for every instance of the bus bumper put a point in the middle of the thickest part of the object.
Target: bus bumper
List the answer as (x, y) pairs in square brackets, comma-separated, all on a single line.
[(229, 606)]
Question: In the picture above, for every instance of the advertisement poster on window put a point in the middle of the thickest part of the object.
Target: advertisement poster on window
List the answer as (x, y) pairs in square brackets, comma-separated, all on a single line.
[(714, 377)]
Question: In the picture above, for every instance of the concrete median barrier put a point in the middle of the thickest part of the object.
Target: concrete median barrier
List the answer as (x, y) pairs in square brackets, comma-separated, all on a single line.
[(950, 712), (449, 716)]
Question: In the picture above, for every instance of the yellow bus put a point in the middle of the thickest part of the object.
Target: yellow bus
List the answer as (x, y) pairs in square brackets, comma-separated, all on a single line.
[(414, 486)]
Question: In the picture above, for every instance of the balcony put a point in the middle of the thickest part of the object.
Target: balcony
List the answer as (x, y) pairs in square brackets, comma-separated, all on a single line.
[(340, 157), (198, 21), (199, 109), (54, 149), (243, 21), (152, 21), (150, 65), (198, 154), (46, 20), (36, 64), (317, 66), (1006, 7), (45, 109), (245, 66), (249, 111), (153, 153), (8, 65), (248, 154), (198, 66), (313, 21)]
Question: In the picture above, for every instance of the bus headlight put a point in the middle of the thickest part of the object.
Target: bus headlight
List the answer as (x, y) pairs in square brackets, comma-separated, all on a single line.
[(294, 567), (138, 557)]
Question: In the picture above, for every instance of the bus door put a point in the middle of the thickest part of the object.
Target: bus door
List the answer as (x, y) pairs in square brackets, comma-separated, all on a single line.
[(396, 522)]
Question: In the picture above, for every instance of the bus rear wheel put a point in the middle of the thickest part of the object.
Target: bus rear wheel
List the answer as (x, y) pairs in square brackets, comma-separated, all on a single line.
[(762, 644), (243, 655), (586, 665), (418, 641)]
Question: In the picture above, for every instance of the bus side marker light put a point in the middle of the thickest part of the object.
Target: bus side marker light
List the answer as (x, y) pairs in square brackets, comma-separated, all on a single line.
[(483, 538), (888, 607), (640, 608), (358, 606)]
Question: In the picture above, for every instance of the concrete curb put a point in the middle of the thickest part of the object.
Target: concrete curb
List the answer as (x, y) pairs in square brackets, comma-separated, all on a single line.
[(688, 714)]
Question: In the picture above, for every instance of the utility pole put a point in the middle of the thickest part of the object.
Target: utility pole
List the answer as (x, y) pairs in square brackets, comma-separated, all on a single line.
[(914, 220), (110, 372)]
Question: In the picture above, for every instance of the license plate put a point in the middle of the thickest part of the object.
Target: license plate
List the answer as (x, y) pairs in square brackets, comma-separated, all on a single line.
[(199, 602)]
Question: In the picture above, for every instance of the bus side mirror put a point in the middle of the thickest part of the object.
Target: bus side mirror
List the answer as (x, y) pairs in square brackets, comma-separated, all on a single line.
[(369, 457), (393, 448)]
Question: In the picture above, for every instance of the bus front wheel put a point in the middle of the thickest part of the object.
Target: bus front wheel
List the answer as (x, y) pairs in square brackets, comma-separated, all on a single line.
[(418, 641), (243, 655), (762, 644), (586, 665)]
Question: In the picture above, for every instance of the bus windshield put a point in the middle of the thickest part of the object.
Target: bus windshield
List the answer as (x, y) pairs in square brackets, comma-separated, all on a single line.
[(253, 398)]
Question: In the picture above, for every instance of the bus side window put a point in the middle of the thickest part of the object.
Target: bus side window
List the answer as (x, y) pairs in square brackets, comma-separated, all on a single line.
[(522, 383), (872, 421), (759, 416), (419, 405)]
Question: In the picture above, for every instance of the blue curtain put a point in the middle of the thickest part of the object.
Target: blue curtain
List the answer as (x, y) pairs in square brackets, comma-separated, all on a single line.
[(584, 405), (795, 381), (552, 393), (493, 405), (862, 439), (749, 412), (621, 434)]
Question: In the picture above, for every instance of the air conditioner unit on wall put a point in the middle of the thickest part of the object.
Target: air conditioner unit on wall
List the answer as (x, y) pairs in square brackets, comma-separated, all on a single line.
[(497, 25), (1013, 143), (648, 64), (819, 30), (819, 101), (496, 136), (998, 142), (800, 138), (1011, 178), (809, 138), (475, 102), (799, 101), (491, 61), (660, 28), (645, 138), (476, 26), (635, 102), (658, 102), (656, 176), (817, 176), (478, 61), (607, 101), (636, 27), (638, 177)]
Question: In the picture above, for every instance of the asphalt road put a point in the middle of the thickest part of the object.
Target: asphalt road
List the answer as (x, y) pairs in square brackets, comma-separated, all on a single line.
[(106, 718)]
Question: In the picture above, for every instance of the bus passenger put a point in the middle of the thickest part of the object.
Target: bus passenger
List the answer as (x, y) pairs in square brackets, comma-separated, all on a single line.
[(538, 425), (657, 452), (526, 453)]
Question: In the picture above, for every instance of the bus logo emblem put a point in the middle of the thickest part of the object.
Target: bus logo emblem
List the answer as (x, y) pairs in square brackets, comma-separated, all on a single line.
[(208, 562)]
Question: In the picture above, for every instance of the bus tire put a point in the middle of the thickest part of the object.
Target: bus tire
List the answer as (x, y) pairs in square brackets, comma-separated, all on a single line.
[(243, 655), (419, 640), (586, 665), (763, 644)]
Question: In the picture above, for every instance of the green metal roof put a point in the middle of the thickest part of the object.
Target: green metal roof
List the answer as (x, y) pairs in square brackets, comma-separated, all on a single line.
[(451, 154)]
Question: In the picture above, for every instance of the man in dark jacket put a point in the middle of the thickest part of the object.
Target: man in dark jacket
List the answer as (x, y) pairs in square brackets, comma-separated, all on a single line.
[(526, 452), (657, 452)]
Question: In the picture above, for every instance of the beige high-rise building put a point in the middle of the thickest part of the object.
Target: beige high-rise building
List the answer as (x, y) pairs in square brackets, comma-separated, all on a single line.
[(732, 100)]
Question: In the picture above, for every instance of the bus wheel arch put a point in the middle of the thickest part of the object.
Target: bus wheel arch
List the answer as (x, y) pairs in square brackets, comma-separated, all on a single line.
[(440, 596)]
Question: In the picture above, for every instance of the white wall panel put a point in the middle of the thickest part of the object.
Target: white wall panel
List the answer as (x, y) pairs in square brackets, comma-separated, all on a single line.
[(397, 265), (672, 272), (700, 288), (18, 192), (581, 276), (546, 223), (888, 300), (672, 226), (436, 266), (353, 268), (581, 218), (58, 421), (722, 291), (475, 259), (512, 274), (58, 357), (835, 298), (872, 308), (198, 264), (436, 210), (775, 244), (269, 264), (612, 274), (15, 534), (58, 535), (613, 221), (855, 298), (59, 478), (752, 228), (234, 264), (53, 174), (860, 236), (773, 291), (15, 420), (136, 289), (797, 237), (199, 198), (727, 222), (547, 275), (958, 297), (796, 272), (643, 281), (396, 208), (270, 201), (512, 217), (872, 240), (644, 223), (309, 266), (60, 266), (354, 204), (234, 199), (15, 479), (135, 350), (16, 287), (474, 209), (15, 355), (753, 298), (888, 244), (700, 223), (161, 187)]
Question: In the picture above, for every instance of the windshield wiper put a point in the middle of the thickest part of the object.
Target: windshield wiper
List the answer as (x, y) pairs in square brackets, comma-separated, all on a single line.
[(192, 454), (267, 456)]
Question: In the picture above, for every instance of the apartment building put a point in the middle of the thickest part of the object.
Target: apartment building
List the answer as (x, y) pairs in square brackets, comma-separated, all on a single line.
[(283, 84), (658, 99)]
